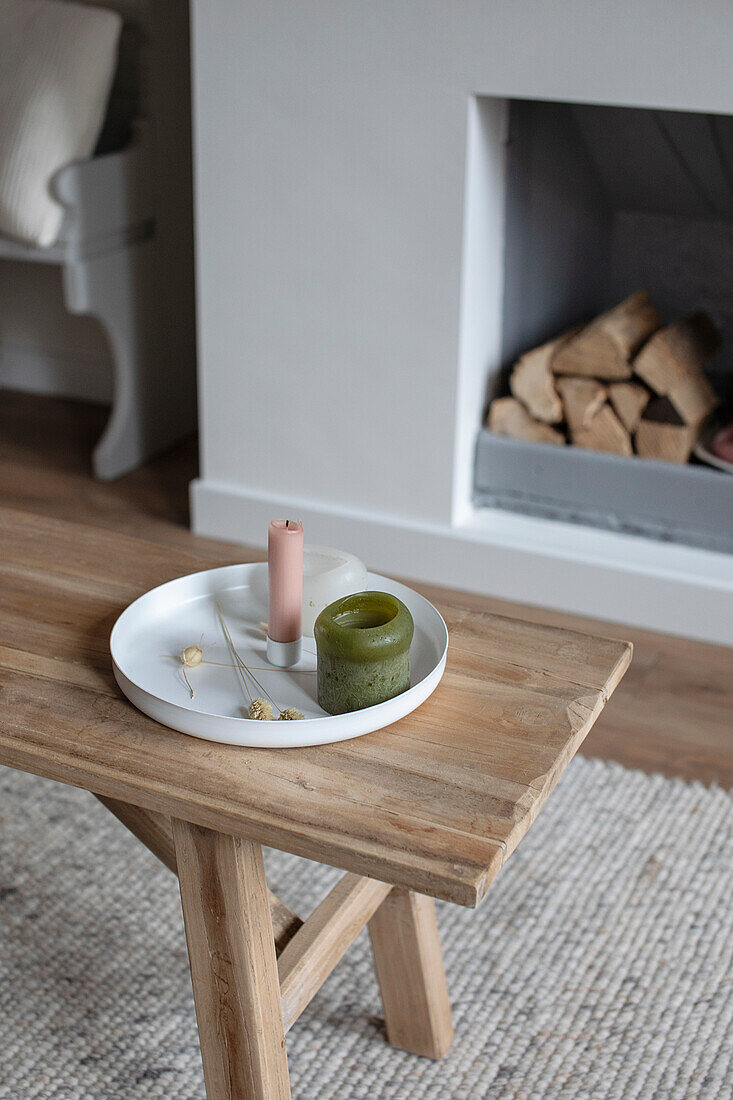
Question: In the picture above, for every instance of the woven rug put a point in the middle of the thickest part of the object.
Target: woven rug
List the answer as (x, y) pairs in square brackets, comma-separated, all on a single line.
[(599, 966)]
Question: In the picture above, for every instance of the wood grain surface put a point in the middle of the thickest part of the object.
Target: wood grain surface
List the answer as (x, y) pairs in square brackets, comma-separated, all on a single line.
[(673, 715), (233, 968), (435, 803), (409, 965), (328, 932)]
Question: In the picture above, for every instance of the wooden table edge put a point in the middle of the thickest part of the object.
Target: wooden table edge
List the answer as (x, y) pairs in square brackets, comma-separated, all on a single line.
[(462, 887), (465, 886)]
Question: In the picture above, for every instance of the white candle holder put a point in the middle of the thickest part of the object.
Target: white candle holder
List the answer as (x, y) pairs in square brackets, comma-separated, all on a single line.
[(284, 654), (328, 575)]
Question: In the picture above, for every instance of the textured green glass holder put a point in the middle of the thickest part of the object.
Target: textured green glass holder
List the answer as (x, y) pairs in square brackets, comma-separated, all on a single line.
[(363, 643)]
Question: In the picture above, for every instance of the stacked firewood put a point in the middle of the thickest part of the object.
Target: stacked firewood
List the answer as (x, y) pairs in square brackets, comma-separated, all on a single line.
[(623, 384)]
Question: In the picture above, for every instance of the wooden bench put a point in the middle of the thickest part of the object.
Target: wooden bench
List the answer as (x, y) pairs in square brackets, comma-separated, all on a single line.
[(431, 807)]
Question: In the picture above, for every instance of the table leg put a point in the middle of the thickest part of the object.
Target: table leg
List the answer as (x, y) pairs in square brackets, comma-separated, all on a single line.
[(155, 832), (233, 967), (409, 965)]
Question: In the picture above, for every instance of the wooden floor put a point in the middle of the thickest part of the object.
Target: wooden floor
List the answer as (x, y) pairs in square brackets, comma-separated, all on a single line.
[(672, 714)]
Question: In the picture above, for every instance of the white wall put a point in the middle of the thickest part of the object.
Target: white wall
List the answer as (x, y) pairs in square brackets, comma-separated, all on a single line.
[(330, 188)]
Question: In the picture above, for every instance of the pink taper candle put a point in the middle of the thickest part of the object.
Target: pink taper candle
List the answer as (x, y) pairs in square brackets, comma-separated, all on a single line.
[(285, 574)]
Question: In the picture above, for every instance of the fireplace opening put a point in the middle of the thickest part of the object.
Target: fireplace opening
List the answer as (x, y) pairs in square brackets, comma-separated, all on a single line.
[(599, 204)]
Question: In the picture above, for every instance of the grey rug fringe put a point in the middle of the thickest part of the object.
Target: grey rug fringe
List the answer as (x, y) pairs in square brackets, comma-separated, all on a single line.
[(600, 965)]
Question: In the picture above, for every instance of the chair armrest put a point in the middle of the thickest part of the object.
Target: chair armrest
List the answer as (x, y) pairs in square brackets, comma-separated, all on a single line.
[(109, 199)]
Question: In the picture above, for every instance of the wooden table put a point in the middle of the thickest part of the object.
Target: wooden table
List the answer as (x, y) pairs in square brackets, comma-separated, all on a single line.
[(431, 807)]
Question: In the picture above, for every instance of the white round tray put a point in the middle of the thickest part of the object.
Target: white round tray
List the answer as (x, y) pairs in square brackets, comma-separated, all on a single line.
[(149, 635)]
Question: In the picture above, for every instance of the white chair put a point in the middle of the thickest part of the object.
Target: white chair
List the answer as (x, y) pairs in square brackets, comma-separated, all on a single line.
[(112, 270)]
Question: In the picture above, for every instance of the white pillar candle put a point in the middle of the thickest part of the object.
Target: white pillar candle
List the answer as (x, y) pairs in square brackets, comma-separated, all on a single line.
[(327, 575)]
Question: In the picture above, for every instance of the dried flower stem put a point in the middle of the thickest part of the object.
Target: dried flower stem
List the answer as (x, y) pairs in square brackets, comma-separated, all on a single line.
[(239, 662), (188, 683), (241, 666), (255, 668), (191, 657), (265, 668)]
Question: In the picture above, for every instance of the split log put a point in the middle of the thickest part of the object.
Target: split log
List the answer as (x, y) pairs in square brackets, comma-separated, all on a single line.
[(605, 432), (665, 442), (675, 351), (532, 381), (629, 400), (507, 416), (581, 398), (663, 435), (605, 347), (671, 363), (694, 399)]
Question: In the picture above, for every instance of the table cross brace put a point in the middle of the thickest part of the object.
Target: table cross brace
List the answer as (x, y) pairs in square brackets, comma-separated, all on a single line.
[(249, 994)]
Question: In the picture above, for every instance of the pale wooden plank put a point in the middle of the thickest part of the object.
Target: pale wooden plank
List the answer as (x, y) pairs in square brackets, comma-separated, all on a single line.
[(71, 628), (581, 659), (335, 820), (98, 559), (316, 824), (435, 803), (254, 793), (673, 714), (409, 965), (233, 966), (320, 944), (53, 668), (79, 558), (474, 680)]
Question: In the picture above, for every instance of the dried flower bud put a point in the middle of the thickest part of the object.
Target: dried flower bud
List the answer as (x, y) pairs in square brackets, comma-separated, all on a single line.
[(290, 714), (192, 656), (261, 710)]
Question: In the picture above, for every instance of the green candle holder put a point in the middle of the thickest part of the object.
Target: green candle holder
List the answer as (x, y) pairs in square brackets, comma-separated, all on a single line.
[(363, 644)]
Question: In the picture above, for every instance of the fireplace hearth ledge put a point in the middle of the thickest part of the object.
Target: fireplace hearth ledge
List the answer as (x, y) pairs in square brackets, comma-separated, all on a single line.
[(629, 579), (678, 503)]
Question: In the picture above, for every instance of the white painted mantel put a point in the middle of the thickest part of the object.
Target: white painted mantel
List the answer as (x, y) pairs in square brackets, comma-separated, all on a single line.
[(345, 316)]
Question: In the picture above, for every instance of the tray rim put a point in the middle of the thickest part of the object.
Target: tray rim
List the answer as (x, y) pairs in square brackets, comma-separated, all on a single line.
[(324, 729)]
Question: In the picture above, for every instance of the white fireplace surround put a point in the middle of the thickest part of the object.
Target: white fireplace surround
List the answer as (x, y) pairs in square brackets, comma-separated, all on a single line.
[(349, 165)]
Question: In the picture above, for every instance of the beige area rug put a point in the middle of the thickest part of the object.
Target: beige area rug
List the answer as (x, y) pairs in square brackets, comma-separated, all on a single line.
[(599, 966)]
